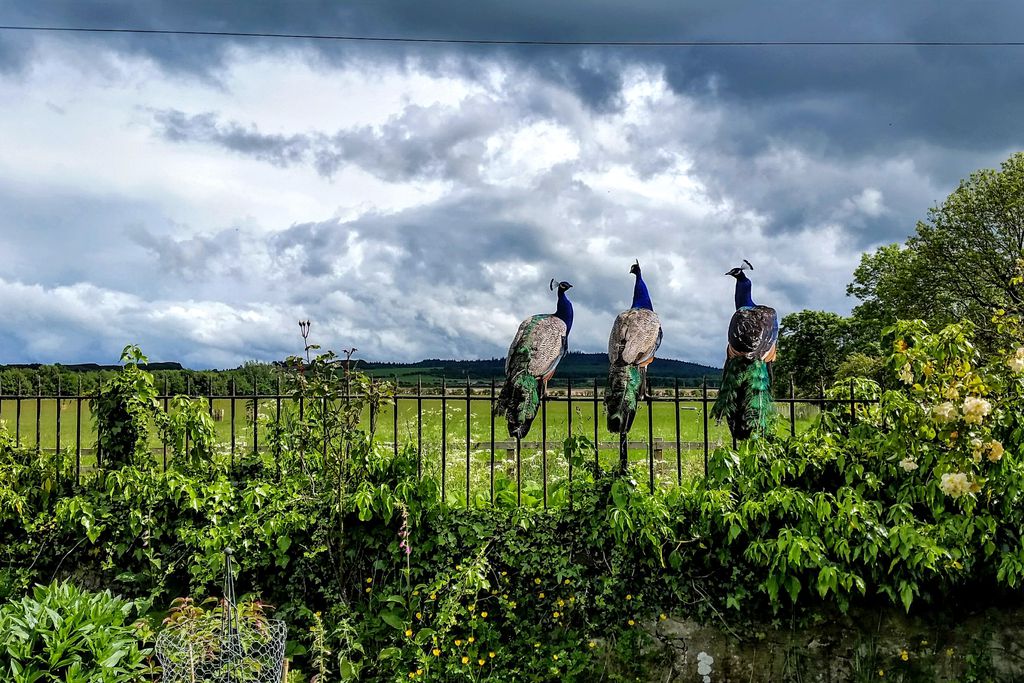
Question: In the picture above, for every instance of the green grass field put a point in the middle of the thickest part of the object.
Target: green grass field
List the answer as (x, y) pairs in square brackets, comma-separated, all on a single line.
[(668, 468)]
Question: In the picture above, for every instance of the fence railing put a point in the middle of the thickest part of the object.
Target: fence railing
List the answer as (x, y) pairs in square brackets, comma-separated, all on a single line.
[(455, 434)]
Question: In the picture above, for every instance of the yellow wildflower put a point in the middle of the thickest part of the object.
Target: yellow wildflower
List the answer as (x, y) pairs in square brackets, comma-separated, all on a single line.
[(433, 596), (408, 633), (472, 639), (541, 596), (561, 603), (483, 615), (458, 641), (592, 644), (554, 657), (419, 672), (631, 622), (369, 579), (491, 655), (662, 617), (419, 615), (437, 653), (465, 660), (537, 581), (904, 656), (480, 661), (412, 674), (555, 614), (471, 607), (629, 597)]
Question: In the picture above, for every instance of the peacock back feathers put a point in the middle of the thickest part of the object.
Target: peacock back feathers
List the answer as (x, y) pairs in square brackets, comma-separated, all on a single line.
[(539, 345)]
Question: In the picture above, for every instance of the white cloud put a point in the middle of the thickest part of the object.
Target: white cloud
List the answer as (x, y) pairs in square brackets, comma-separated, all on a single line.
[(452, 201)]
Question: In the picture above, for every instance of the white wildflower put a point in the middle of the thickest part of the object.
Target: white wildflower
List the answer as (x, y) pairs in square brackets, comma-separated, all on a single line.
[(907, 374), (1016, 361), (955, 484), (995, 451), (975, 409), (944, 412), (908, 464)]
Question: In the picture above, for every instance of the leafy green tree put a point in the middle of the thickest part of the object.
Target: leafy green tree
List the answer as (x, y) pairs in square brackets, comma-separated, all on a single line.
[(960, 264), (812, 344)]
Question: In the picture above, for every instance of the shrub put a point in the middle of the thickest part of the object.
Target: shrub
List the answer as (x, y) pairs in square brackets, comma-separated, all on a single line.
[(64, 634)]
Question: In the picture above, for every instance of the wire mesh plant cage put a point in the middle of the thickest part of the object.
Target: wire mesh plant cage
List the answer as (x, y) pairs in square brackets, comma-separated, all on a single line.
[(225, 645)]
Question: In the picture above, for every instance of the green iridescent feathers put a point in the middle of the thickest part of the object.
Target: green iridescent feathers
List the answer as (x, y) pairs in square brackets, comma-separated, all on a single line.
[(625, 383), (518, 402), (745, 399)]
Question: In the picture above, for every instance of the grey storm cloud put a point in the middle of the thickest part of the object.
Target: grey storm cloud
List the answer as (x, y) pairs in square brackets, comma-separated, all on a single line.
[(803, 157), (424, 142)]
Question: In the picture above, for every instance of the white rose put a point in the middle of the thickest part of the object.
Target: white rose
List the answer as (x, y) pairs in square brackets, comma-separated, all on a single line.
[(995, 451), (908, 464), (975, 409), (944, 412)]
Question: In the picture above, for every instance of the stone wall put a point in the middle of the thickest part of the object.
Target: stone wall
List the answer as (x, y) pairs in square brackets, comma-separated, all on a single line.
[(862, 646)]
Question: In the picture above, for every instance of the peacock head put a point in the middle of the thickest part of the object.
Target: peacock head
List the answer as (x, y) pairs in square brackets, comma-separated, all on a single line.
[(635, 268), (562, 286), (738, 271)]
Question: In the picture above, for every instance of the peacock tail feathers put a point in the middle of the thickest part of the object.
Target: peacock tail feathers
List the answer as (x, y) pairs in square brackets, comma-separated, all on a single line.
[(745, 398), (625, 383), (518, 402)]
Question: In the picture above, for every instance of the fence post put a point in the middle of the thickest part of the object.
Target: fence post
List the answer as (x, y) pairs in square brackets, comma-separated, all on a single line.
[(188, 393), (650, 434), (57, 444), (444, 435), (544, 446), (277, 426), (597, 444), (569, 414), (394, 417), (232, 424), (255, 416), (679, 440), (492, 439), (419, 427), (704, 402), (17, 414), (39, 411), (78, 434), (792, 406), (469, 434)]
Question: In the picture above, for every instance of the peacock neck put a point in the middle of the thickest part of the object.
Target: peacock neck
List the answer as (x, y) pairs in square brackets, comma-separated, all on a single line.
[(641, 297), (743, 292), (564, 311)]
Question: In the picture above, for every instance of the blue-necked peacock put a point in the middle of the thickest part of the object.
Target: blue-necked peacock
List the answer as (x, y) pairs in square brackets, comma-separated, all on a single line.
[(745, 398), (540, 343), (635, 337)]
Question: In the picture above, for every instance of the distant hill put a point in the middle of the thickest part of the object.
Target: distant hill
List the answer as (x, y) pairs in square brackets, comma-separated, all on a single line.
[(576, 365), (91, 367)]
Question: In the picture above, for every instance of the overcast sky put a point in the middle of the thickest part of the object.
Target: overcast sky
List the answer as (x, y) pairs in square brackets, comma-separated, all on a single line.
[(198, 195)]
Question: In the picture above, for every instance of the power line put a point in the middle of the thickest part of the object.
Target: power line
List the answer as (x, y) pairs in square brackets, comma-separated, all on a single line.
[(551, 43)]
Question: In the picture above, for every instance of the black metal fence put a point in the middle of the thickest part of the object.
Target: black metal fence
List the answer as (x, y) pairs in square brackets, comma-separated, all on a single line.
[(454, 432)]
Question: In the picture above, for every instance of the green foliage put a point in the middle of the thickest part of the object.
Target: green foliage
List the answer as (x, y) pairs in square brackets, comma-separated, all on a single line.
[(379, 579), (64, 634), (188, 429), (122, 409)]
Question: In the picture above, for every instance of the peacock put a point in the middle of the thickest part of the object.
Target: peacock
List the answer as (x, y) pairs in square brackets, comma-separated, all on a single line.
[(635, 337), (745, 398), (540, 343)]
